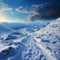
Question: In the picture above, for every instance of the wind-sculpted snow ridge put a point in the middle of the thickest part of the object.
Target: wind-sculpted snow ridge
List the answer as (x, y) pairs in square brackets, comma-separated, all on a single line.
[(49, 37), (39, 45)]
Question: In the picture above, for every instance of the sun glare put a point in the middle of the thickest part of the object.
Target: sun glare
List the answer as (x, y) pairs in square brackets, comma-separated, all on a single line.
[(6, 19), (2, 19)]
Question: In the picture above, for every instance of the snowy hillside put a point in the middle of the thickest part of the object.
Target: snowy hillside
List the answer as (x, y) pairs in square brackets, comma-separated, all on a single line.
[(49, 37), (43, 44), (4, 28)]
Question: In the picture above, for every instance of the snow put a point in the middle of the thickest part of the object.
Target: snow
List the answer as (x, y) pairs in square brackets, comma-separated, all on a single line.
[(42, 44), (50, 33)]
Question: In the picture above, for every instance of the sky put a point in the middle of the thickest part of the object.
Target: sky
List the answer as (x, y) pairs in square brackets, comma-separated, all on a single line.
[(29, 10)]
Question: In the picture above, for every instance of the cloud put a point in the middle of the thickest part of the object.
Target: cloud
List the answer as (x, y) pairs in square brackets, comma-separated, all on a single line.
[(22, 10), (46, 11), (26, 10), (4, 7)]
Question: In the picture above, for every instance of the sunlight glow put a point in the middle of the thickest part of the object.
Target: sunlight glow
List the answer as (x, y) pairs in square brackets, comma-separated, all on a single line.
[(3, 19), (6, 19)]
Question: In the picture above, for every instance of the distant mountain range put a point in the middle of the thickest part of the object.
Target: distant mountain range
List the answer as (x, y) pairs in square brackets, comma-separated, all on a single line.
[(8, 27)]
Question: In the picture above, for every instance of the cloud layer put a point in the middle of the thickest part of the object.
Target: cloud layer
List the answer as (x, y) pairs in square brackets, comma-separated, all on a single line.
[(4, 7), (46, 11)]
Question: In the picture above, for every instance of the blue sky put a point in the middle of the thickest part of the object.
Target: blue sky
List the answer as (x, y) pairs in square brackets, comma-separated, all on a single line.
[(29, 10)]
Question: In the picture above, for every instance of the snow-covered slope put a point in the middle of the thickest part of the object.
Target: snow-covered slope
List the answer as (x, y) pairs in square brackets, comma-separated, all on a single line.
[(43, 44), (4, 28), (49, 37)]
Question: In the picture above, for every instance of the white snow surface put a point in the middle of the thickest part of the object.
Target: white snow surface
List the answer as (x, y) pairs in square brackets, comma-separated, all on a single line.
[(39, 45)]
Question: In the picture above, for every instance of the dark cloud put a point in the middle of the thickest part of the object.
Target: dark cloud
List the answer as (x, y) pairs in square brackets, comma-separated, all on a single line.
[(48, 10)]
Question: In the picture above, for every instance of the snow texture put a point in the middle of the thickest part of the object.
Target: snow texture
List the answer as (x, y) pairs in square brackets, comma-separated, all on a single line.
[(42, 44)]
